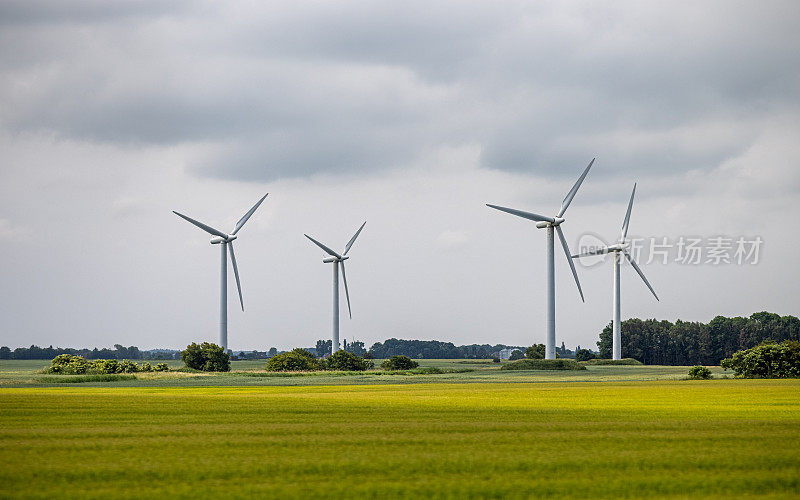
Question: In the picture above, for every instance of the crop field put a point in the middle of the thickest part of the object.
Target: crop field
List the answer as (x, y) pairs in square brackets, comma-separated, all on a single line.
[(571, 439)]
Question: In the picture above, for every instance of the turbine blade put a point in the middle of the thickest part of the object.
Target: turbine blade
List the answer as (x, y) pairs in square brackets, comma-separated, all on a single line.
[(346, 292), (627, 220), (236, 273), (571, 264), (208, 229), (596, 251), (524, 215), (326, 249), (247, 215), (353, 239), (571, 194), (641, 274)]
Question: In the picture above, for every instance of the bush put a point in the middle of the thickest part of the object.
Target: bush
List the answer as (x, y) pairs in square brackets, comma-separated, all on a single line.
[(623, 361), (766, 360), (206, 357), (347, 361), (296, 360), (399, 363), (516, 354), (699, 372), (67, 364), (107, 366), (161, 367), (495, 360), (584, 355), (536, 351), (543, 364)]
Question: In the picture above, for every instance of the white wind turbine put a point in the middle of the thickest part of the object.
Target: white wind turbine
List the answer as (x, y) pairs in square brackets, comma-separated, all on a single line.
[(337, 259), (551, 223), (225, 241), (620, 247)]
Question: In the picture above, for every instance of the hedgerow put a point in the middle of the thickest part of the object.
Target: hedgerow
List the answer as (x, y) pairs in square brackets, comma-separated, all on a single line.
[(543, 364), (67, 364)]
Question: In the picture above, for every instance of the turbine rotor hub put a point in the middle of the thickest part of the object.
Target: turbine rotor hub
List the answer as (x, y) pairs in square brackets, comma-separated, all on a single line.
[(216, 240)]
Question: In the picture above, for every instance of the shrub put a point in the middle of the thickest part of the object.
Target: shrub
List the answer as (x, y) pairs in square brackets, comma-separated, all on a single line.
[(536, 351), (543, 364), (67, 364), (347, 361), (207, 357), (296, 360), (399, 363), (766, 360), (584, 355), (699, 372), (128, 367), (495, 360), (161, 367), (516, 354), (106, 366)]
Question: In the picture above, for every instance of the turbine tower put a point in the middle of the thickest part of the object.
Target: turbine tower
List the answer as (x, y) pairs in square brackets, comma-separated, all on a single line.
[(226, 242), (553, 223), (620, 247), (338, 259)]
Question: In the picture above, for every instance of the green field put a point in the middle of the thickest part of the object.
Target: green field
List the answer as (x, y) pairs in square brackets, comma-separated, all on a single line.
[(251, 373), (509, 438)]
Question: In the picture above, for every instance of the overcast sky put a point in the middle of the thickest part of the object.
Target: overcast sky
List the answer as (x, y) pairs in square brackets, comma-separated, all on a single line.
[(411, 116)]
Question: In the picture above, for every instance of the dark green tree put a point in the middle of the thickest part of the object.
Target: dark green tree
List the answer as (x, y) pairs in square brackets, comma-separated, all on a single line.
[(323, 347), (536, 351), (347, 361), (584, 355), (207, 357), (399, 363), (296, 360)]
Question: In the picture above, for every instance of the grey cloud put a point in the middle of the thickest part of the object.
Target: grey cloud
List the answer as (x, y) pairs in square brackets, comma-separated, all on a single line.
[(13, 12), (359, 86)]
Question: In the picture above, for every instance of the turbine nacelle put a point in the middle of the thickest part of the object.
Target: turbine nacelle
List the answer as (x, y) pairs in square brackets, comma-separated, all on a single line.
[(555, 222), (218, 239), (618, 247), (328, 260)]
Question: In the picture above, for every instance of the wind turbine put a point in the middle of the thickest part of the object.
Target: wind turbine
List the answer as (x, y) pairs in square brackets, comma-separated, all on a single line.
[(551, 223), (225, 241), (620, 247), (337, 259)]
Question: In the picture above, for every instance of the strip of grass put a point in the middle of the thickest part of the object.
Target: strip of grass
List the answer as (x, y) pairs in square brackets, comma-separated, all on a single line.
[(423, 370), (79, 379)]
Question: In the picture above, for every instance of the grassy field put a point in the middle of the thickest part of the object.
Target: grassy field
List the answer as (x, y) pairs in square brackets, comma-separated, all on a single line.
[(607, 432), (681, 439), (251, 373)]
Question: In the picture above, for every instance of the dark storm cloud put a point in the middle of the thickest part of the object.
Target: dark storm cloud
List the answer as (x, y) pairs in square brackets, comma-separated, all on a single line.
[(342, 87)]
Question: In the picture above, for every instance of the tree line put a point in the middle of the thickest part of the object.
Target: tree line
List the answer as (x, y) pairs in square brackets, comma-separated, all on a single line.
[(433, 349), (661, 342), (119, 352)]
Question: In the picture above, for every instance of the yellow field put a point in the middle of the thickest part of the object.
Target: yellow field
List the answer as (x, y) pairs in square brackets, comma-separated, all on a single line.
[(682, 439)]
